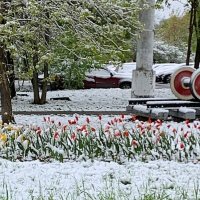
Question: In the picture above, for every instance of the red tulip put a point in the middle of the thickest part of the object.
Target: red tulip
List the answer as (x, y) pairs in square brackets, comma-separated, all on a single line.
[(174, 130), (117, 133), (185, 135), (168, 126), (126, 133), (38, 131), (182, 146), (120, 120), (149, 120), (56, 135), (88, 120), (93, 129), (134, 143), (73, 136), (187, 121), (133, 117), (76, 118), (64, 127)]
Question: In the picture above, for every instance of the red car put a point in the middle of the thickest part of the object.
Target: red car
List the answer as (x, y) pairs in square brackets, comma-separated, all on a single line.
[(105, 78)]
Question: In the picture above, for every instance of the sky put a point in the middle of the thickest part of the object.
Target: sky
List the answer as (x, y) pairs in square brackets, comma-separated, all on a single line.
[(176, 6)]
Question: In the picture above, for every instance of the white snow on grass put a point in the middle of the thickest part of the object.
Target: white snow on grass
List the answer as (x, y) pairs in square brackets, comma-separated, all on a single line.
[(33, 179), (77, 180), (86, 100)]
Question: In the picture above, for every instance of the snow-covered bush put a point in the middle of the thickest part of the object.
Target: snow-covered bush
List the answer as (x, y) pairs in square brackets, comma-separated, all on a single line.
[(165, 53)]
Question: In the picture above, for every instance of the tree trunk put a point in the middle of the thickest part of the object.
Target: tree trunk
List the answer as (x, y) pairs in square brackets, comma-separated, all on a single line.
[(6, 106), (36, 91), (46, 66), (197, 29), (191, 23), (25, 62), (197, 55), (44, 85), (10, 68), (36, 94), (37, 99)]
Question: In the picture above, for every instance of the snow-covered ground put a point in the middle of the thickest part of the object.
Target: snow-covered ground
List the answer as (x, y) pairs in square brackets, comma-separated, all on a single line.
[(77, 180), (31, 179), (91, 99)]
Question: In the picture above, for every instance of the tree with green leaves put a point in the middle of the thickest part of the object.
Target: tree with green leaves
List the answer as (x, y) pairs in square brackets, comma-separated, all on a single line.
[(76, 35), (174, 30), (194, 29)]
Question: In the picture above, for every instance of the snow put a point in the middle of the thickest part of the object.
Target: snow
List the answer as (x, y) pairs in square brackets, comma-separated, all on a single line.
[(141, 108), (89, 100), (125, 70), (186, 110), (75, 179), (167, 69), (35, 178), (159, 110)]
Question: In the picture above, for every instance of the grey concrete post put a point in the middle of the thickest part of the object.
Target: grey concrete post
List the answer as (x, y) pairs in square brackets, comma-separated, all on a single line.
[(143, 78)]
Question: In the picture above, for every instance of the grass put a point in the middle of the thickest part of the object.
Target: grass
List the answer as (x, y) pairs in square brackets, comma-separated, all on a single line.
[(109, 192), (120, 139)]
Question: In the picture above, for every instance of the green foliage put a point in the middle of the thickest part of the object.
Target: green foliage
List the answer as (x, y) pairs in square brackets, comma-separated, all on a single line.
[(69, 36), (174, 31)]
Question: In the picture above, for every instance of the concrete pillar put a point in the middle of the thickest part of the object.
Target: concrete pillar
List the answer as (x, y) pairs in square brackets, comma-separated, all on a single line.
[(143, 79)]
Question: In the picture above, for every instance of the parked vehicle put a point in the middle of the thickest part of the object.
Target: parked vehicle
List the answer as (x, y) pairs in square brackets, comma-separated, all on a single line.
[(107, 78), (96, 78), (111, 76), (164, 71), (126, 68)]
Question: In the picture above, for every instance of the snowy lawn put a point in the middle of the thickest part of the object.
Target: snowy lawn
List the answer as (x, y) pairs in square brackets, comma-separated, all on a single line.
[(92, 173), (91, 99), (153, 160), (99, 180)]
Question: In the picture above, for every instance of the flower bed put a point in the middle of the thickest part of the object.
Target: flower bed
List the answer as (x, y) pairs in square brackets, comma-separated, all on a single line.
[(122, 138)]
